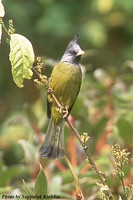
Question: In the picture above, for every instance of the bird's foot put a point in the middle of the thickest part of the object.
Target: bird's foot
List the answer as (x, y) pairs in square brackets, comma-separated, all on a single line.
[(65, 112), (49, 91)]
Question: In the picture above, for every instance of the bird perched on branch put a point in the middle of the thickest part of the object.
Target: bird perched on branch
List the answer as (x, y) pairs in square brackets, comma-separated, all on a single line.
[(65, 82)]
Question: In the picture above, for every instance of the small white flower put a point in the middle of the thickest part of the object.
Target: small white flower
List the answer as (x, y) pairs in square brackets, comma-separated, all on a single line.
[(104, 188)]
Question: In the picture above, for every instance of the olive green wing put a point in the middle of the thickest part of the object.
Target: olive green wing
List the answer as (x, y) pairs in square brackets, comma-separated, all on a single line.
[(48, 109), (48, 103), (69, 110)]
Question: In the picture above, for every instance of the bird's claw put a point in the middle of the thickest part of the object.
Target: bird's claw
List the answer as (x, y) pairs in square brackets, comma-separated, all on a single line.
[(49, 91), (65, 113)]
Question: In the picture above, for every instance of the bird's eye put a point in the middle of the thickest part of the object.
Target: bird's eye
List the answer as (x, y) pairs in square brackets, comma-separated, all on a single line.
[(73, 52)]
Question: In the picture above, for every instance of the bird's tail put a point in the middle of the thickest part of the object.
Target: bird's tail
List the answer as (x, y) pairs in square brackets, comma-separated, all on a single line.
[(53, 145)]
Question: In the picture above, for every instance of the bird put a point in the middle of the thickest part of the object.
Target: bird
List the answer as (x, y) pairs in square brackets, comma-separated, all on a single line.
[(65, 82)]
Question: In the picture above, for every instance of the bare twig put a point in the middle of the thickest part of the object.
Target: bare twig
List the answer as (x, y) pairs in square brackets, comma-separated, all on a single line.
[(3, 25), (122, 182), (124, 189), (79, 194), (91, 161)]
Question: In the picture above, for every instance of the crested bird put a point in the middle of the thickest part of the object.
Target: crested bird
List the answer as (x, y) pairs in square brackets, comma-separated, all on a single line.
[(65, 82)]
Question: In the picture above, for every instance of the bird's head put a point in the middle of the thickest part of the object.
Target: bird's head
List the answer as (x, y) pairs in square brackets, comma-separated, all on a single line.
[(73, 52)]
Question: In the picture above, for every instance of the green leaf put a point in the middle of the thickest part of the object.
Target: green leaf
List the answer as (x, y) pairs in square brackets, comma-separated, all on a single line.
[(41, 184), (27, 189), (125, 130), (21, 57), (2, 10)]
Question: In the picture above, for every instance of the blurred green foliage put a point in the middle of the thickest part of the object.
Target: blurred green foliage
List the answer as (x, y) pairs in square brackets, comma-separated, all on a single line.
[(104, 108)]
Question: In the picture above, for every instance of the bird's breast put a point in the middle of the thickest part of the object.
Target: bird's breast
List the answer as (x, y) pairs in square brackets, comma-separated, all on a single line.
[(65, 81)]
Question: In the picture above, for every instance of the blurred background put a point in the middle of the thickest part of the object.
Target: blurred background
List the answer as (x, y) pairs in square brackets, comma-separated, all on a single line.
[(104, 108)]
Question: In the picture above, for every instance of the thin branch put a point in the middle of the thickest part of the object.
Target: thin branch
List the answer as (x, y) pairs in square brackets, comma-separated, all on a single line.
[(79, 194), (91, 161), (122, 182), (3, 25), (124, 188)]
